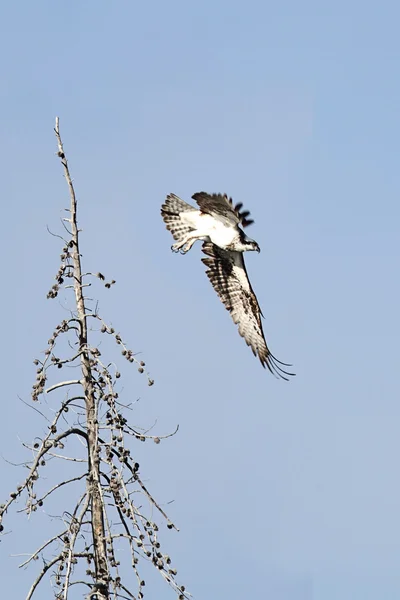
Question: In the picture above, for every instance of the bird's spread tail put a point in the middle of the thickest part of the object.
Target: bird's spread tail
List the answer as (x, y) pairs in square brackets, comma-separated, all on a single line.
[(171, 212)]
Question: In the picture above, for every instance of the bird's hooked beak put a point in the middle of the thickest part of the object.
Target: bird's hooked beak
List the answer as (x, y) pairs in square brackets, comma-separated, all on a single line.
[(258, 248)]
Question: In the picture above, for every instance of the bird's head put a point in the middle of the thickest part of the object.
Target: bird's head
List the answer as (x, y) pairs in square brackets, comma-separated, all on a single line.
[(247, 243)]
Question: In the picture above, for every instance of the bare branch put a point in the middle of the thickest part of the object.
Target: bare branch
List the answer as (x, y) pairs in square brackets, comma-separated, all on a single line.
[(42, 547), (76, 530), (58, 485), (38, 579), (63, 384)]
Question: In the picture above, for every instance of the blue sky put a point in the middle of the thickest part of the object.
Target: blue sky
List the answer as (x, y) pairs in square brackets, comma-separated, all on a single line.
[(281, 490)]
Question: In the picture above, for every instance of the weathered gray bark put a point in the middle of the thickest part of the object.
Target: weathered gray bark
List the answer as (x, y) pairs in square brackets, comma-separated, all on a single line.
[(92, 425)]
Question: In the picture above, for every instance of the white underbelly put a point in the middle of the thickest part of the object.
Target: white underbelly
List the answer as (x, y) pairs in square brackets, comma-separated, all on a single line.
[(208, 227)]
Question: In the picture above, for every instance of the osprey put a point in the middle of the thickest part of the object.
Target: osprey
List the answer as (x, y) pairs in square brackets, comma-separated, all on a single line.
[(217, 224)]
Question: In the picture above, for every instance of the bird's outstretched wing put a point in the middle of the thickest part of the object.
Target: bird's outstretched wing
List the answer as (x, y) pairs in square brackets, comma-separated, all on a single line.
[(228, 276), (222, 206)]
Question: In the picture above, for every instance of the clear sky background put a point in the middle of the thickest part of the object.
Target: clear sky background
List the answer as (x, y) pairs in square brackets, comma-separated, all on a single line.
[(287, 491)]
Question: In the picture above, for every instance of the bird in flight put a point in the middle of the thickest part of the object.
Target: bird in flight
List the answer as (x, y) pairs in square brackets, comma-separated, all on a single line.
[(218, 223)]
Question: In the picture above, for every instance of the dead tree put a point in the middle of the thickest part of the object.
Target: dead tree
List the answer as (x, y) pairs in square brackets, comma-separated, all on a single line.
[(113, 506)]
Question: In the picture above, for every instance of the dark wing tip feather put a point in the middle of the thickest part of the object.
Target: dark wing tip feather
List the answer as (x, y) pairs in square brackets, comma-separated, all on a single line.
[(272, 363), (242, 214), (269, 361)]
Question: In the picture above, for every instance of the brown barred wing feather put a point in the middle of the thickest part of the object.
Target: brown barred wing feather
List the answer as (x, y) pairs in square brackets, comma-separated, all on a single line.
[(227, 273)]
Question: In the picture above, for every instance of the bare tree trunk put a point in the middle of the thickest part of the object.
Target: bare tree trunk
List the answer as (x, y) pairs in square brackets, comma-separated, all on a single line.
[(93, 479)]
